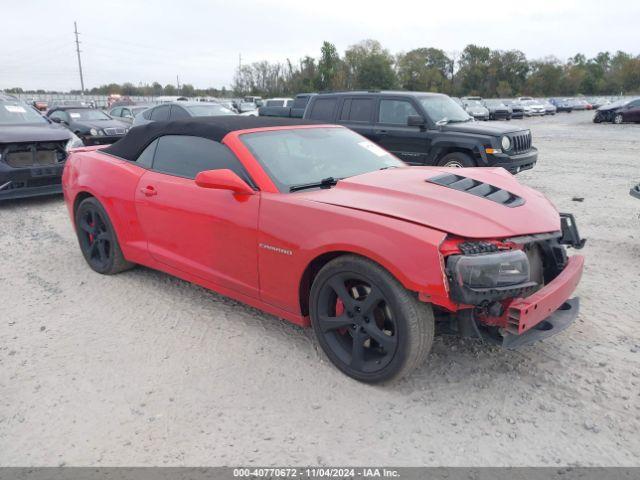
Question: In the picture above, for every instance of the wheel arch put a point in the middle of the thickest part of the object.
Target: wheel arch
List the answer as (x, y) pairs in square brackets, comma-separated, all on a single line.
[(315, 265)]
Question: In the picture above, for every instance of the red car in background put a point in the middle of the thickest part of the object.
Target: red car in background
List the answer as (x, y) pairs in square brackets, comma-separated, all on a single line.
[(317, 225)]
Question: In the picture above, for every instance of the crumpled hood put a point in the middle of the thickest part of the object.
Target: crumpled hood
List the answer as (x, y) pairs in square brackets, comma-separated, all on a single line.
[(44, 132), (405, 194)]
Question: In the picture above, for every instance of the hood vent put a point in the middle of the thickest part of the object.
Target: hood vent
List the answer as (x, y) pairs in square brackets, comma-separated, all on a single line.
[(477, 188)]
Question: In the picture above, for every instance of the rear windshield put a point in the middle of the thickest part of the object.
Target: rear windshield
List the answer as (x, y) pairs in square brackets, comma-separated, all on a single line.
[(209, 110), (16, 112), (87, 114)]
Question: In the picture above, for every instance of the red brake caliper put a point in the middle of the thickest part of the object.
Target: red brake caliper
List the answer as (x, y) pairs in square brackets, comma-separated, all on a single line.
[(340, 311)]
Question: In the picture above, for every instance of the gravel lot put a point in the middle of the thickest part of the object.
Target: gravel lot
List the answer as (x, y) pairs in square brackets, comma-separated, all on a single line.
[(144, 369)]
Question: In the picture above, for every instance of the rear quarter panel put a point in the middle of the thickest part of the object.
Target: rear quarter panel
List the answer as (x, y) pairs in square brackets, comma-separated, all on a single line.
[(309, 229), (113, 182)]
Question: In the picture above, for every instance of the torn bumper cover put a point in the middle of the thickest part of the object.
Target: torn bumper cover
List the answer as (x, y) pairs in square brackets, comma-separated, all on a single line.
[(546, 312)]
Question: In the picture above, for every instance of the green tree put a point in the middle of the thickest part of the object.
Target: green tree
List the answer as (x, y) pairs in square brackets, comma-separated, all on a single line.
[(329, 67), (368, 66), (424, 69)]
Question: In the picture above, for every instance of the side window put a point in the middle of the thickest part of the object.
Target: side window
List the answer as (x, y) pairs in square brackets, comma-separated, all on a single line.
[(178, 113), (126, 113), (145, 159), (322, 109), (160, 113), (395, 111), (186, 156), (116, 112), (147, 113), (300, 102), (361, 110)]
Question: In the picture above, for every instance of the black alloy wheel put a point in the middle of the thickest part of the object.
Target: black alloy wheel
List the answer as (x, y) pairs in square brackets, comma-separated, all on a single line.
[(369, 326), (97, 238)]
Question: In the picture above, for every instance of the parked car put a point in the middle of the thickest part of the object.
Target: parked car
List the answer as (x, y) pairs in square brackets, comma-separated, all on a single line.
[(619, 112), (69, 103), (32, 151), (94, 127), (474, 107), (525, 99), (294, 110), (128, 113), (580, 104), (179, 110), (549, 108), (253, 99), (278, 102), (244, 107), (517, 110), (533, 108), (426, 129), (319, 226), (562, 104), (40, 105), (497, 109)]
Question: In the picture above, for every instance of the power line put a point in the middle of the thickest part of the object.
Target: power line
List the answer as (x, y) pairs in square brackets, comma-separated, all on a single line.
[(75, 28)]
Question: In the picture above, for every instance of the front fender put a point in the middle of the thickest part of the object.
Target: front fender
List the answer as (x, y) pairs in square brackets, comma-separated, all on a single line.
[(476, 146), (410, 252)]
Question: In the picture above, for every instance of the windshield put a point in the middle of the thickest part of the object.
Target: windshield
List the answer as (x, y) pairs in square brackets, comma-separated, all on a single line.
[(473, 103), (441, 107), (17, 112), (247, 106), (307, 155), (212, 110), (87, 114), (494, 103)]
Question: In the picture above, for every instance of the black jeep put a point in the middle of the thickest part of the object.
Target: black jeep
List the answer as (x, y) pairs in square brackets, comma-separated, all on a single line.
[(426, 129)]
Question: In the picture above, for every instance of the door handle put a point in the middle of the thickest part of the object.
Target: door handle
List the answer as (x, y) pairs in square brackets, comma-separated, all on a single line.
[(149, 191), (381, 132)]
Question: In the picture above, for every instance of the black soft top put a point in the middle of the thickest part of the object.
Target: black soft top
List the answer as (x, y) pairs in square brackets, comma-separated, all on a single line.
[(213, 128)]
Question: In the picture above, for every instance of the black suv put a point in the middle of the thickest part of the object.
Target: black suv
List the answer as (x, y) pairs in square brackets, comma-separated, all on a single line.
[(426, 129)]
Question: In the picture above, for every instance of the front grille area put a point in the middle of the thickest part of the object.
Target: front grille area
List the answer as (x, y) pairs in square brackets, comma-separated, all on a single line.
[(521, 142), (24, 155), (115, 131)]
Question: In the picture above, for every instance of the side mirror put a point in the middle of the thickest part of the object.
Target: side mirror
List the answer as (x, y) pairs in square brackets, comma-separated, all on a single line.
[(415, 121), (223, 179), (55, 119)]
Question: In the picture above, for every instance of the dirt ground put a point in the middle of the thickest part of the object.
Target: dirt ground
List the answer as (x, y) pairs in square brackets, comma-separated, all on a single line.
[(144, 369)]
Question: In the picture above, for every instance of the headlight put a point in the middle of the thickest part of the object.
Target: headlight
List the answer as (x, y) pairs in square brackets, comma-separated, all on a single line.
[(506, 143), (93, 132), (74, 142), (487, 277)]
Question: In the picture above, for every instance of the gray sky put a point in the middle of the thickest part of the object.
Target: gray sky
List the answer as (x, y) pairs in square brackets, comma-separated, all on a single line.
[(145, 41)]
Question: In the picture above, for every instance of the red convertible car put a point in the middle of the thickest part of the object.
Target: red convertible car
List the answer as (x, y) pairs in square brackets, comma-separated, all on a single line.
[(317, 225)]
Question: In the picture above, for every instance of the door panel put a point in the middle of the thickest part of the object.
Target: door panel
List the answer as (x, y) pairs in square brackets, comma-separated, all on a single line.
[(207, 232), (409, 144)]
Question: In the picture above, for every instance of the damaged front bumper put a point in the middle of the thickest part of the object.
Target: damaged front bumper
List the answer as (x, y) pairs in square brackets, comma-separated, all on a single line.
[(548, 311)]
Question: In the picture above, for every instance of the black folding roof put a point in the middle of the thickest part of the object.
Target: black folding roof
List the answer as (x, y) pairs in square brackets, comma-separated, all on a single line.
[(213, 128)]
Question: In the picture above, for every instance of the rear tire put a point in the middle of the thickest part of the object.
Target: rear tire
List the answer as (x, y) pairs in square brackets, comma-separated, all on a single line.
[(456, 160), (97, 238), (368, 325)]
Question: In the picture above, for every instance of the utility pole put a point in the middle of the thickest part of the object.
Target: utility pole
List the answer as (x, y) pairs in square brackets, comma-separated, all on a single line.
[(178, 83), (75, 28), (239, 62)]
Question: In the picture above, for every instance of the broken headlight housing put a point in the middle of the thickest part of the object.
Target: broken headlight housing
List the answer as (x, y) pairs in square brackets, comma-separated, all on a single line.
[(476, 279)]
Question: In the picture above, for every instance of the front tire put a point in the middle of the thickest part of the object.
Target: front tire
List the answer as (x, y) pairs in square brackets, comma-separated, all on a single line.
[(97, 238), (456, 160), (369, 326), (618, 119)]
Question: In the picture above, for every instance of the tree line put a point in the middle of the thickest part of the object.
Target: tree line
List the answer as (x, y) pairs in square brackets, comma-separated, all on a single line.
[(367, 65)]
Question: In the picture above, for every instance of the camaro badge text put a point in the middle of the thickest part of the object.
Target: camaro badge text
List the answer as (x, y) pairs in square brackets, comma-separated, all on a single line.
[(284, 251)]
